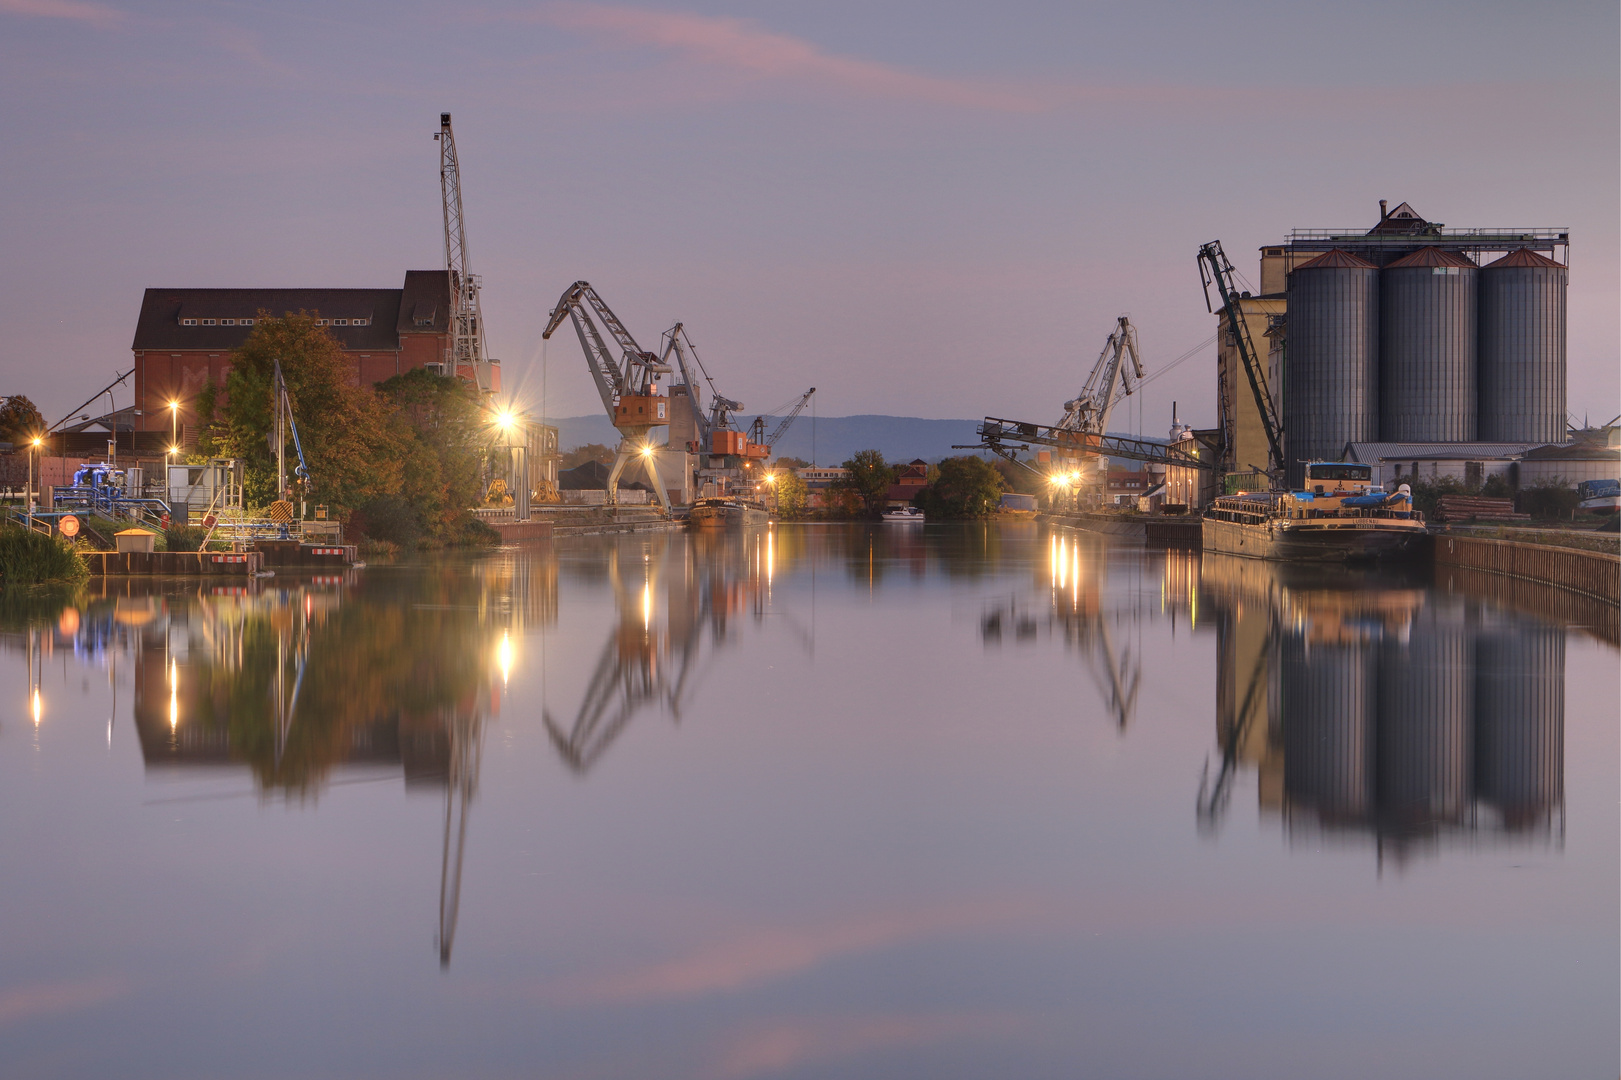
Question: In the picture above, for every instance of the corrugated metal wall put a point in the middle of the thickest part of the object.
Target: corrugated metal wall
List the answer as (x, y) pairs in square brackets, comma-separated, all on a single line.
[(1425, 723), (1522, 354), (1327, 698), (1331, 368), (1520, 721), (1427, 327)]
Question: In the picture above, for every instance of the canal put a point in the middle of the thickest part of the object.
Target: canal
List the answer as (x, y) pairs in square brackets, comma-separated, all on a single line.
[(819, 800)]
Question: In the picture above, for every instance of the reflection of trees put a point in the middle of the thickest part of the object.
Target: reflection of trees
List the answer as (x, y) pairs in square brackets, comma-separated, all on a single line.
[(1368, 705)]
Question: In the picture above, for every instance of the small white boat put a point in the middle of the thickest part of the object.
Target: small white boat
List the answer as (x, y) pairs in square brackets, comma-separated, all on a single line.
[(904, 513)]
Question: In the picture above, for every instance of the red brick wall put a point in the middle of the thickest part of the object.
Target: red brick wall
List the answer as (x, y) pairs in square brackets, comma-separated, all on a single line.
[(160, 376)]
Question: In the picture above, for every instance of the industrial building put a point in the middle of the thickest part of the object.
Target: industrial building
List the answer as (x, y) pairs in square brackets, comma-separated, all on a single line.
[(1406, 333)]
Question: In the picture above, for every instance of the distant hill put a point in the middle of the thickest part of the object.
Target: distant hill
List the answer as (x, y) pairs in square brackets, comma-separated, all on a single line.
[(898, 438)]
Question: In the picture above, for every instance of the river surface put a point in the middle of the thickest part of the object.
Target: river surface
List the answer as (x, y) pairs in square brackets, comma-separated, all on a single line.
[(896, 801)]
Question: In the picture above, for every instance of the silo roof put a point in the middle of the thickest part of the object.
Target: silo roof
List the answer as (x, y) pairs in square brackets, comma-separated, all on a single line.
[(1336, 258), (1431, 256), (1525, 257)]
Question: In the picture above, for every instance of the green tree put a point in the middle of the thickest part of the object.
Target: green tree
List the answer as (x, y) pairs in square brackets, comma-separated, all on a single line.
[(20, 421), (868, 478), (354, 449), (791, 463), (968, 487), (441, 425), (791, 494)]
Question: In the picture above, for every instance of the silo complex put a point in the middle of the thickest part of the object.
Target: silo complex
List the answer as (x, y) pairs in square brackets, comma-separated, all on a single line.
[(1427, 327), (1522, 349), (1327, 700), (1331, 366), (1426, 721)]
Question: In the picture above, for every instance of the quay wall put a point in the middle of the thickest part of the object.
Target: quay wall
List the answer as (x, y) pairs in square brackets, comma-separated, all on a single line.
[(1109, 524), (1590, 573)]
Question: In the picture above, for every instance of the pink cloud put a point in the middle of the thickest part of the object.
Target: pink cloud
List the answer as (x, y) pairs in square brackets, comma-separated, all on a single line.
[(73, 10), (45, 999), (763, 955), (741, 47), (781, 1045)]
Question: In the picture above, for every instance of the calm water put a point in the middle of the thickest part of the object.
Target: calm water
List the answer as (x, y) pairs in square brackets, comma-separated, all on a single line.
[(820, 801)]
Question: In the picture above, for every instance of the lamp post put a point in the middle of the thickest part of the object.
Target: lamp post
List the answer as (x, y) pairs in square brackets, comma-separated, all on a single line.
[(33, 455), (518, 462)]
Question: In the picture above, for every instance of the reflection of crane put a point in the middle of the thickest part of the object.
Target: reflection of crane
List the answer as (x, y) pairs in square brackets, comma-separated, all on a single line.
[(469, 358), (1214, 795), (1215, 269), (758, 437), (465, 729), (628, 386), (721, 407)]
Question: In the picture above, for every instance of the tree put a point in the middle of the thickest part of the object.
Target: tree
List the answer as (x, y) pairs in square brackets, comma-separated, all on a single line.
[(441, 423), (968, 487), (355, 453), (578, 456), (20, 421), (792, 463), (791, 494), (868, 478)]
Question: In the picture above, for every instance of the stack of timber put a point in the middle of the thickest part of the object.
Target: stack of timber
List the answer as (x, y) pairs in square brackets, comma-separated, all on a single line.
[(1471, 507)]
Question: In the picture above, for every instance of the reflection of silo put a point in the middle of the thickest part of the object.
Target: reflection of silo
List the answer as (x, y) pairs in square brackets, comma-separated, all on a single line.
[(1331, 362), (1427, 330), (1327, 704), (1426, 696), (1520, 720), (1522, 349)]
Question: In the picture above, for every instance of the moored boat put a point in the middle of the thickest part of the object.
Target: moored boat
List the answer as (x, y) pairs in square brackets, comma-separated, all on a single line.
[(1338, 517), (727, 513), (904, 513)]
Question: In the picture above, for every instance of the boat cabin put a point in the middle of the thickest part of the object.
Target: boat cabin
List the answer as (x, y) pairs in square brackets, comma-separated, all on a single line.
[(1338, 478)]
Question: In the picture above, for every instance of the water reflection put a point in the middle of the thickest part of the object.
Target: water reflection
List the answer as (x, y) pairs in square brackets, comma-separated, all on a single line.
[(1367, 705)]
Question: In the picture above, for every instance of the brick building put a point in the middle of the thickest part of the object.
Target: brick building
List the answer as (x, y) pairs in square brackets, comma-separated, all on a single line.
[(184, 337)]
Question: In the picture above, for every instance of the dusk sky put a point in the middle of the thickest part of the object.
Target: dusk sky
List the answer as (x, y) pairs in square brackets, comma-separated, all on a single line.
[(928, 209)]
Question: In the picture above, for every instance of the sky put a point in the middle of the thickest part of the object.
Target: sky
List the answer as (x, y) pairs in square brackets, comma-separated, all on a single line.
[(928, 209)]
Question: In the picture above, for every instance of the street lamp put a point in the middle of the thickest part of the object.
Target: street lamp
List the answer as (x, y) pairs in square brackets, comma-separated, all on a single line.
[(33, 454), (174, 421)]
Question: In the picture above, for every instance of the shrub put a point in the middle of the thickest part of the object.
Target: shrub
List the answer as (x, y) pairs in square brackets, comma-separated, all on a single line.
[(184, 537), (1547, 502), (388, 518), (33, 558)]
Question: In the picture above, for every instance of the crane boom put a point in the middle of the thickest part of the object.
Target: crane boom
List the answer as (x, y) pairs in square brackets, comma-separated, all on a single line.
[(1215, 268), (678, 345), (1089, 413), (782, 427), (468, 356)]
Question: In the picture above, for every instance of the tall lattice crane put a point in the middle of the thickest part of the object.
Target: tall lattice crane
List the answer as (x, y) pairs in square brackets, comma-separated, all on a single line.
[(1214, 268), (628, 385), (469, 358)]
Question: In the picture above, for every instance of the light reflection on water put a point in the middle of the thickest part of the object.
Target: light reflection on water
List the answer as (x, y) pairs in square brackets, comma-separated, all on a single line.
[(874, 801)]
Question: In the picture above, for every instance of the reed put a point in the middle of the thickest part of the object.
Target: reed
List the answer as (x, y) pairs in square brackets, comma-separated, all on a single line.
[(28, 557)]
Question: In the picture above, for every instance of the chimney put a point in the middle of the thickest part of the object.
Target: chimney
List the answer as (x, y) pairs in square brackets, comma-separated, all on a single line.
[(1384, 209)]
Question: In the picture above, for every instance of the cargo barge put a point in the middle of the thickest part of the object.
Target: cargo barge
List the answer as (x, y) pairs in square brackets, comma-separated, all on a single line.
[(727, 513), (1338, 517)]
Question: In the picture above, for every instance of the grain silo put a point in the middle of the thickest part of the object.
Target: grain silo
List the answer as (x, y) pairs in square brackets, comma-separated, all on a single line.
[(1427, 326), (1425, 721), (1331, 365), (1327, 693), (1522, 349), (1520, 721)]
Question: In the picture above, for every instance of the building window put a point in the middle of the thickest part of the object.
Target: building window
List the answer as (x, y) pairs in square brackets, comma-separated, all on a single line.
[(188, 322), (208, 322), (359, 322), (227, 322), (244, 322), (340, 322)]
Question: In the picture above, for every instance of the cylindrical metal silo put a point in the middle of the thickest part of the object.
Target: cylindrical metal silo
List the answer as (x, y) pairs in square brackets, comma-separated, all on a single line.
[(1427, 327), (1522, 349), (1520, 720), (1425, 722), (1326, 701), (1331, 360)]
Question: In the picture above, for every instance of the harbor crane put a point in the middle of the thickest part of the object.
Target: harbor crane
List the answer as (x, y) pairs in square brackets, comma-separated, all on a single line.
[(469, 358), (763, 443), (678, 346), (283, 422), (628, 385), (1215, 269)]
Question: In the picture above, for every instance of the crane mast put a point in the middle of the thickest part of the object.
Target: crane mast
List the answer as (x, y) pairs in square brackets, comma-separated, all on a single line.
[(1214, 268), (1089, 413), (757, 429), (469, 358), (679, 346), (627, 385)]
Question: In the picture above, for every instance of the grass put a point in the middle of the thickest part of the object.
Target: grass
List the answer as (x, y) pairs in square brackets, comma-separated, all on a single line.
[(32, 558)]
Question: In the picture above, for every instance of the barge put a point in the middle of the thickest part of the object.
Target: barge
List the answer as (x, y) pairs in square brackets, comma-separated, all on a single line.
[(727, 513), (1338, 517)]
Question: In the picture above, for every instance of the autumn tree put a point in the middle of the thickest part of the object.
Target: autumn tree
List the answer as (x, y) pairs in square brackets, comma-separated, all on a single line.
[(792, 494), (354, 450), (442, 428)]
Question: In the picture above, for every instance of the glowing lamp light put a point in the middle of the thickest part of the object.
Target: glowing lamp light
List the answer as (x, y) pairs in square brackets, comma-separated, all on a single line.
[(647, 450), (503, 654), (38, 706)]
